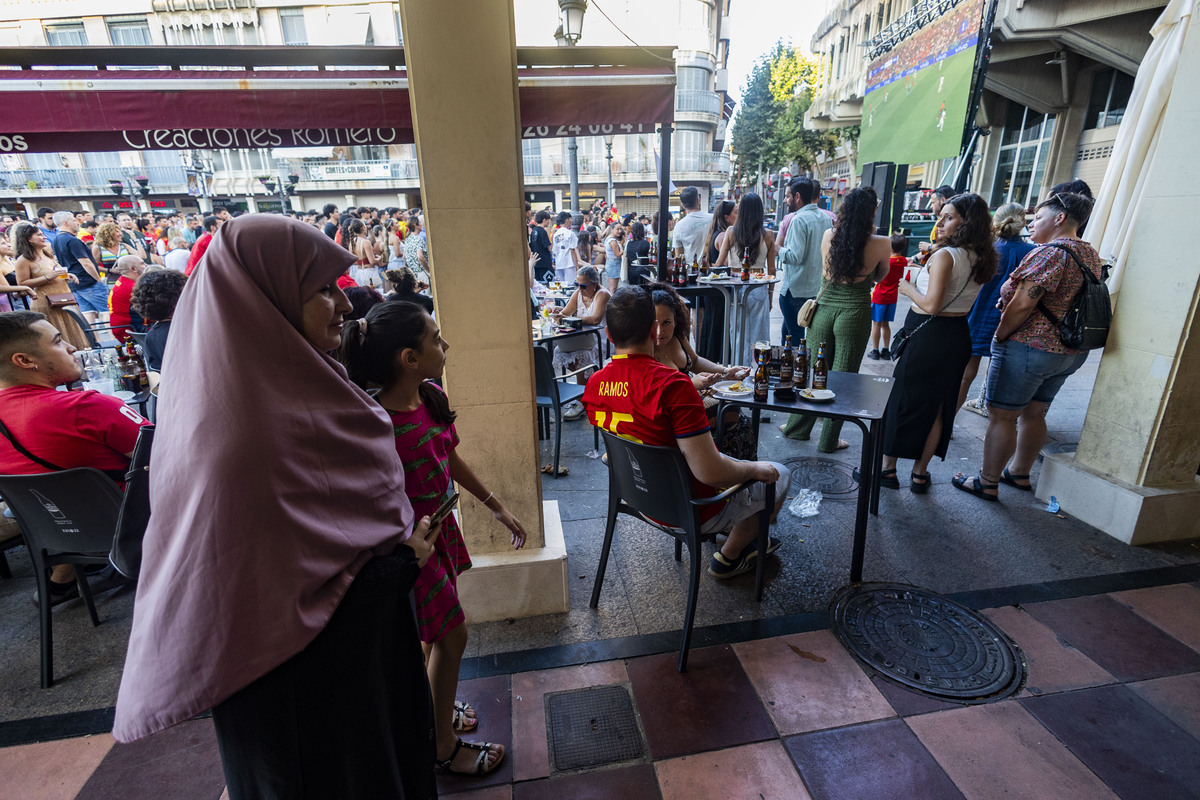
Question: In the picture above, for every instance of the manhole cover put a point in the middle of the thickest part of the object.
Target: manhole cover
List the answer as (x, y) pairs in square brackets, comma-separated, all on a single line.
[(590, 727), (831, 478), (926, 643)]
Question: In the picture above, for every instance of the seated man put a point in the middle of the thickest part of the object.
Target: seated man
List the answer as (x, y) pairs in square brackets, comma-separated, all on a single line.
[(43, 430), (638, 397)]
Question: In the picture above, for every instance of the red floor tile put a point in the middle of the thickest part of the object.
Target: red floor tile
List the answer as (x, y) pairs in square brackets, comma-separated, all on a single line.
[(51, 770), (871, 761), (906, 702), (493, 703), (1177, 697), (1128, 743), (712, 705), (760, 771), (1175, 609), (627, 783), (1054, 666), (1000, 752), (531, 759), (1117, 639), (808, 681), (181, 763)]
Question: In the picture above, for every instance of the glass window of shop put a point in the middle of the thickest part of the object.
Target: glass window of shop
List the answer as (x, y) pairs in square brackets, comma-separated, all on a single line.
[(1110, 95), (1024, 149)]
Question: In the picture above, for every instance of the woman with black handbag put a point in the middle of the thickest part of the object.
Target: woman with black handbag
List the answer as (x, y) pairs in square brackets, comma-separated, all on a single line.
[(936, 343)]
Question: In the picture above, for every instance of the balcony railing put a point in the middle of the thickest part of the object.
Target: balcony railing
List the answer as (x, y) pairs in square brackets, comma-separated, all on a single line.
[(698, 103), (554, 165), (89, 179)]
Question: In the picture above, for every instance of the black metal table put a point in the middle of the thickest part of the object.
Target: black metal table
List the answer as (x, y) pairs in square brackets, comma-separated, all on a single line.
[(860, 399), (710, 293)]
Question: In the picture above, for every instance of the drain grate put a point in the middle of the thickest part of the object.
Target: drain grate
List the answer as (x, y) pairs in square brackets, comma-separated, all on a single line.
[(927, 643), (832, 478), (591, 727)]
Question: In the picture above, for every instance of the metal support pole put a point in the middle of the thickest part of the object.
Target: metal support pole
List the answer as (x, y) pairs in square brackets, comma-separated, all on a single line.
[(664, 197), (573, 158), (609, 197)]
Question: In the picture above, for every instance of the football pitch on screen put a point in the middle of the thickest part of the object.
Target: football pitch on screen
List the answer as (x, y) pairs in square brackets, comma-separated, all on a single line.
[(919, 117)]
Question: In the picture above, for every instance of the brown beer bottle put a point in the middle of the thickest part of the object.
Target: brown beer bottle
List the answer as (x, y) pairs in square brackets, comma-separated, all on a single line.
[(745, 264), (800, 376), (821, 370), (787, 364), (762, 383)]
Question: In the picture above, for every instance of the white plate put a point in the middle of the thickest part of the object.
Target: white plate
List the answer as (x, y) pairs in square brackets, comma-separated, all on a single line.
[(723, 388), (818, 395), (123, 395)]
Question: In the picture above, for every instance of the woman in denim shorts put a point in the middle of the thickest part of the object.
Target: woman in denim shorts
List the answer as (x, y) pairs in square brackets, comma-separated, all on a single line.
[(1029, 362)]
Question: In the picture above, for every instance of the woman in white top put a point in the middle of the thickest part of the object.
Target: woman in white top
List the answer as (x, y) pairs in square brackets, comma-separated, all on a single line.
[(920, 413), (748, 234), (589, 302)]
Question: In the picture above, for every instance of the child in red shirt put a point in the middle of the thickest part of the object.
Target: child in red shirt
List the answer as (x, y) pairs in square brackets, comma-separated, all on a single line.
[(883, 300)]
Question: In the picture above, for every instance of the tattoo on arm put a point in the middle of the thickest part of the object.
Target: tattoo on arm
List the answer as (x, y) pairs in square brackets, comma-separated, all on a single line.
[(1035, 291)]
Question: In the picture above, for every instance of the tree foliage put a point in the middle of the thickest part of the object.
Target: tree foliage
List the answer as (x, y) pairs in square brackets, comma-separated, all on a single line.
[(769, 127)]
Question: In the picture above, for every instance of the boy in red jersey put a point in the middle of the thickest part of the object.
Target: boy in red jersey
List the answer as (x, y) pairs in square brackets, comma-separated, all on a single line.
[(639, 398)]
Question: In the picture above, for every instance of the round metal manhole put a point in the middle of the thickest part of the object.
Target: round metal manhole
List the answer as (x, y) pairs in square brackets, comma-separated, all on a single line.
[(926, 643), (831, 478)]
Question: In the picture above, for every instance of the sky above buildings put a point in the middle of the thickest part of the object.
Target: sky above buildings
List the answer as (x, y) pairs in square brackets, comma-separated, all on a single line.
[(758, 24)]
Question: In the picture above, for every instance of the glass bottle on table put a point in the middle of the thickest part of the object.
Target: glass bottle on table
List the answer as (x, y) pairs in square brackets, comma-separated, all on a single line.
[(787, 367), (745, 264), (762, 382), (800, 372), (820, 379)]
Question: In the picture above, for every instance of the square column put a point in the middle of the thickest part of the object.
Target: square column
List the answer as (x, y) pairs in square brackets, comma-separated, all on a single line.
[(462, 72)]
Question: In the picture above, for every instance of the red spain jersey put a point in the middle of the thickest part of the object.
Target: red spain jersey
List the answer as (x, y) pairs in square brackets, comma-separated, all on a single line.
[(641, 399)]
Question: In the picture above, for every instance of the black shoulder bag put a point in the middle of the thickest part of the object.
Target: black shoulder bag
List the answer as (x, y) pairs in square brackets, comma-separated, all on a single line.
[(902, 337), (1089, 316)]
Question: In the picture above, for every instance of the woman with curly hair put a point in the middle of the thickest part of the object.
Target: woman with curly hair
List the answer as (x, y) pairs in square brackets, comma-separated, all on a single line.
[(155, 296), (107, 248), (921, 408), (672, 325), (854, 258)]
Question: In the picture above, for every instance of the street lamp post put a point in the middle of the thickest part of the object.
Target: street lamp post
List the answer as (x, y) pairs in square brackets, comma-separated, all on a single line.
[(135, 188), (568, 35), (608, 143), (284, 187)]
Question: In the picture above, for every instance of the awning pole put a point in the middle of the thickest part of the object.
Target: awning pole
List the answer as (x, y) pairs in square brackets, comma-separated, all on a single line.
[(664, 199)]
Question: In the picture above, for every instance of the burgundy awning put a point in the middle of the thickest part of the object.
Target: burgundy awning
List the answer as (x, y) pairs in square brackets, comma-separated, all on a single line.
[(88, 110)]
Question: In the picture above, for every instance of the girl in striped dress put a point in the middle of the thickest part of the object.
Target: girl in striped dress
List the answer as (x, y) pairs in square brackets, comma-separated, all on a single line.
[(399, 348)]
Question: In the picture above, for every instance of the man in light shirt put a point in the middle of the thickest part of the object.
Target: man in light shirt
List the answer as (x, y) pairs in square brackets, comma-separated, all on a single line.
[(801, 253), (687, 238), (177, 256)]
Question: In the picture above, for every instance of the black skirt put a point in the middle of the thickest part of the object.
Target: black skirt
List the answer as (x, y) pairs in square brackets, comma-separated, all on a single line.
[(350, 715), (928, 377)]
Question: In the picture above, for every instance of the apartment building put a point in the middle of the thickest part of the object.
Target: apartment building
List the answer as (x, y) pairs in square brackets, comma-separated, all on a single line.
[(378, 175), (1055, 93)]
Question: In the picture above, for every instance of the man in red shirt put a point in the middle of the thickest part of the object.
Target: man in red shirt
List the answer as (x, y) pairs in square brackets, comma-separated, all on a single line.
[(210, 227), (641, 399), (61, 429)]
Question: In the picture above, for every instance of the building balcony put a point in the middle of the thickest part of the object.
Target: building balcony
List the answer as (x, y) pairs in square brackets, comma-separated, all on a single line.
[(698, 107), (86, 181), (552, 168)]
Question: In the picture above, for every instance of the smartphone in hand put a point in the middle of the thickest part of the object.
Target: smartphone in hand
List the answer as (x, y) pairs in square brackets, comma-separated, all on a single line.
[(443, 510)]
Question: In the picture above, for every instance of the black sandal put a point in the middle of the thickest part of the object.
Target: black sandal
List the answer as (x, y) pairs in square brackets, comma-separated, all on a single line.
[(923, 486), (960, 482), (1011, 480), (887, 478), (480, 767)]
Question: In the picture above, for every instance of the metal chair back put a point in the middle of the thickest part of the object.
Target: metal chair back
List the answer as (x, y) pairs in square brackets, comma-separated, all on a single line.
[(653, 481), (134, 516)]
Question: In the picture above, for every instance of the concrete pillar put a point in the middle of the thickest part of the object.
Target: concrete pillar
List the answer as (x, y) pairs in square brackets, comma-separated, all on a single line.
[(251, 204), (351, 202), (1134, 473), (489, 374), (205, 203)]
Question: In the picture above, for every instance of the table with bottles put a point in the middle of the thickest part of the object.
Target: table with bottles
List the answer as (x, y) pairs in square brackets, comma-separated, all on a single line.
[(119, 371), (858, 398)]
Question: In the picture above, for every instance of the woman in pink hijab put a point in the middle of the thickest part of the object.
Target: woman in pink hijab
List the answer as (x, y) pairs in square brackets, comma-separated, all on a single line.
[(280, 554)]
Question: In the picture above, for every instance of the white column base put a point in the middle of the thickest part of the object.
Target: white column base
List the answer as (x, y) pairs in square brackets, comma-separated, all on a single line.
[(1134, 514), (519, 583)]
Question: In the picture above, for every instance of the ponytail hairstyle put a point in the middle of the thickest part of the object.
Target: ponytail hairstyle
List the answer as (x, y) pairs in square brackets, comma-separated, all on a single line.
[(370, 346), (351, 231), (1009, 220), (403, 280)]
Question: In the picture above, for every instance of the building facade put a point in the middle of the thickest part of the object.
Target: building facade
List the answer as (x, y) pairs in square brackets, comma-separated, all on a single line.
[(373, 175), (1060, 75)]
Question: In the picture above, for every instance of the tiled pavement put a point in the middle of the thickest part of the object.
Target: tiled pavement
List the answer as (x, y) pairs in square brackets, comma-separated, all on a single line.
[(1111, 709)]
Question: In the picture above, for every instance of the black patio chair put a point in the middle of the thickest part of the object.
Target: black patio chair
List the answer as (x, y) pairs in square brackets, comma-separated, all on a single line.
[(66, 517), (654, 484), (126, 553), (10, 539), (552, 393), (90, 330)]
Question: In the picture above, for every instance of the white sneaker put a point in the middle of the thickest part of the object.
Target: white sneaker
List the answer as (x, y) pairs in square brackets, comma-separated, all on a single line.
[(573, 410)]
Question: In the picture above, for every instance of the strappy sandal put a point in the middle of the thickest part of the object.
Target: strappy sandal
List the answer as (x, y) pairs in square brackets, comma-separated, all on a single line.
[(1010, 479), (887, 478), (920, 483), (461, 721), (479, 767), (977, 488)]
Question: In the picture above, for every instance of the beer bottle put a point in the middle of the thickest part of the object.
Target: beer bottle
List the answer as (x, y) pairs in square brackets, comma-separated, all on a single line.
[(820, 378), (695, 271), (800, 374), (680, 275), (786, 364), (762, 383), (746, 264)]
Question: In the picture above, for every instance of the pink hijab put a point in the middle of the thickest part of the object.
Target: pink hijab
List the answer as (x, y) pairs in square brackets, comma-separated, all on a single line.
[(274, 480)]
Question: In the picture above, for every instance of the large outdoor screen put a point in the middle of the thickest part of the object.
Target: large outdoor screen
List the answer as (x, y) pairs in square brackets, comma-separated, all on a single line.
[(917, 93)]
